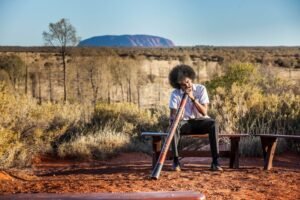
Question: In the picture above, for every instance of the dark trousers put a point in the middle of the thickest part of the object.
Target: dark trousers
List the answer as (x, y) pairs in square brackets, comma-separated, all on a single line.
[(198, 126)]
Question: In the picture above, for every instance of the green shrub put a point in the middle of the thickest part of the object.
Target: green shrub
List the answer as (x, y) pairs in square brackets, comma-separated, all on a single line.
[(236, 73)]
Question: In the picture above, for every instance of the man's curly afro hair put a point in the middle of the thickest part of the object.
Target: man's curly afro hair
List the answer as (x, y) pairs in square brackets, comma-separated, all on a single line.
[(180, 72)]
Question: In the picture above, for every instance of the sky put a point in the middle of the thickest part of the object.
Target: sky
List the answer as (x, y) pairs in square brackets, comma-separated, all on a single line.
[(185, 22)]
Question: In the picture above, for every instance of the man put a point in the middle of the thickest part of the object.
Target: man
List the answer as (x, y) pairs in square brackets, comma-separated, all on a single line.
[(195, 119)]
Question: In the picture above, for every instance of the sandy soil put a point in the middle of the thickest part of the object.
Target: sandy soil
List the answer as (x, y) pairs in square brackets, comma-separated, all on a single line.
[(130, 172)]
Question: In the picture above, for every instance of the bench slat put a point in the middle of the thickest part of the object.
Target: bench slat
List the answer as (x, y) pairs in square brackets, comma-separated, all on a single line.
[(192, 135), (279, 136), (154, 134), (234, 135), (223, 135)]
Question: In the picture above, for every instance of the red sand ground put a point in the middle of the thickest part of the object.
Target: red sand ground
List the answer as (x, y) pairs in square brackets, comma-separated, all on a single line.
[(130, 172)]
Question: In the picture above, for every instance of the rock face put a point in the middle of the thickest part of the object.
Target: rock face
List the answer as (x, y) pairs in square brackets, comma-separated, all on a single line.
[(127, 41)]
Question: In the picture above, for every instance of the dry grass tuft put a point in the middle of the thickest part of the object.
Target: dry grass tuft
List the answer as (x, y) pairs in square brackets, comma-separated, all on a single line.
[(100, 144)]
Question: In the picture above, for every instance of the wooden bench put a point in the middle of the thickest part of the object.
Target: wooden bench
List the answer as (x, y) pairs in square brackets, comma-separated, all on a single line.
[(233, 154), (185, 195), (269, 143)]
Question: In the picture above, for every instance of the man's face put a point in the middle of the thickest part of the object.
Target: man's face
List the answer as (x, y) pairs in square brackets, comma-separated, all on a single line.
[(186, 84)]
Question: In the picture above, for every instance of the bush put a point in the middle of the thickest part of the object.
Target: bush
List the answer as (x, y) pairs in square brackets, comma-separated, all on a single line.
[(126, 118), (113, 128), (235, 73), (13, 66), (261, 105), (100, 144), (246, 108), (26, 128)]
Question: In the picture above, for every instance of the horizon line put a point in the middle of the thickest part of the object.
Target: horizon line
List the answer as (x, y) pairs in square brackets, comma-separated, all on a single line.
[(28, 46)]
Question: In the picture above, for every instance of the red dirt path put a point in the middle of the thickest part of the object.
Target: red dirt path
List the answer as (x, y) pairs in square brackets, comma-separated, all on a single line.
[(130, 172)]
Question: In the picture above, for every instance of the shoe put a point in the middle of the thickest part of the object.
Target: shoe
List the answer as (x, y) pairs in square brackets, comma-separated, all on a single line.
[(216, 167), (176, 166)]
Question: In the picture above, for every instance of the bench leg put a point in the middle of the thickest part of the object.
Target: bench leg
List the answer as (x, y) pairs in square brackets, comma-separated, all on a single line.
[(156, 147), (234, 153), (268, 147)]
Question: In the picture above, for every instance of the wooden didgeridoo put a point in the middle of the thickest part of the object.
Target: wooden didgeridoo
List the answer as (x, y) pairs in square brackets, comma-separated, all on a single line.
[(162, 157)]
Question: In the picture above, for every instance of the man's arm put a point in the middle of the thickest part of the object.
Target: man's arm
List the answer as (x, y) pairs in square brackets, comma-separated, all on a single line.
[(202, 108)]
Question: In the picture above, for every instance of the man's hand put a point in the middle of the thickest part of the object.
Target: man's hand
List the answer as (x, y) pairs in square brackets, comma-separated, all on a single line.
[(189, 92), (201, 108)]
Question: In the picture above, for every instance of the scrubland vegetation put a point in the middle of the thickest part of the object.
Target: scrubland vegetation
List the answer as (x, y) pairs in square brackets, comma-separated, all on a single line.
[(103, 114), (249, 100)]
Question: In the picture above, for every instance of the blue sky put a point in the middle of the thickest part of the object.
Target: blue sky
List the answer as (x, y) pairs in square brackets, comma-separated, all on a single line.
[(185, 22)]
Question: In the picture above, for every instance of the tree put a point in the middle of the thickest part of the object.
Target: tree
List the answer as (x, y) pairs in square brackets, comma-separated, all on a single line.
[(48, 66), (93, 74), (26, 73), (117, 71), (61, 34), (78, 80), (36, 78), (34, 83), (130, 70), (14, 67), (141, 81)]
